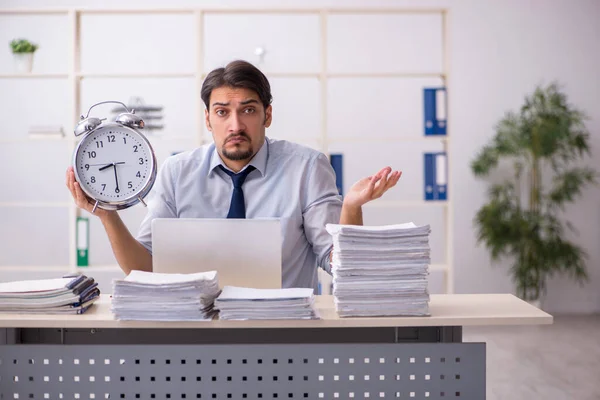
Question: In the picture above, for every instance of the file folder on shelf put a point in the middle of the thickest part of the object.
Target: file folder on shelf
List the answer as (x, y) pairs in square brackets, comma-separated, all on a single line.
[(436, 176), (82, 233), (435, 111), (337, 164)]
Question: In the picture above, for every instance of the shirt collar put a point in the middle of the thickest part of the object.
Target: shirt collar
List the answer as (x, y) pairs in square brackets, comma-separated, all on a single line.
[(259, 161)]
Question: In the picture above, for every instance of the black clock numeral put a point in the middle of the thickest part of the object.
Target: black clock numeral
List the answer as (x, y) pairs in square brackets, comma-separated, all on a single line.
[(138, 175), (117, 191), (99, 144), (91, 154), (93, 179), (141, 161), (87, 167), (135, 148), (103, 186), (124, 140), (129, 185), (111, 138)]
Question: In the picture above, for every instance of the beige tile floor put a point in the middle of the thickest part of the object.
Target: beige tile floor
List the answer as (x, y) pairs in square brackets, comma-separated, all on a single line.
[(553, 362)]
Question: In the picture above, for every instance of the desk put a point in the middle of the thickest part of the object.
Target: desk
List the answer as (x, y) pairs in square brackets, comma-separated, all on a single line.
[(93, 356)]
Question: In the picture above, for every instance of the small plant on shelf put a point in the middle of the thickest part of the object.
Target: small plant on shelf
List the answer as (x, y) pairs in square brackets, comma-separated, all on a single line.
[(23, 46), (23, 50)]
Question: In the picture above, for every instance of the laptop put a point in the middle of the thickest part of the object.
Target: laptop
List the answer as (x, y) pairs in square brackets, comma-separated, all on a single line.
[(244, 252)]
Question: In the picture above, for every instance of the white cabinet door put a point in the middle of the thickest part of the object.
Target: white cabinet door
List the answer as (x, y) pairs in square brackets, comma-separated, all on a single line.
[(49, 32), (121, 43), (34, 236), (34, 171), (175, 95), (296, 110), (291, 43), (384, 43), (370, 108), (27, 104)]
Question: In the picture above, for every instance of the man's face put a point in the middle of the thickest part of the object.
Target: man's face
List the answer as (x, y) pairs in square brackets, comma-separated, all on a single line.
[(237, 120)]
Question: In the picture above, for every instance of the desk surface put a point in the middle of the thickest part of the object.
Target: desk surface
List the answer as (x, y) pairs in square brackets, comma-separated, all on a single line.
[(446, 310)]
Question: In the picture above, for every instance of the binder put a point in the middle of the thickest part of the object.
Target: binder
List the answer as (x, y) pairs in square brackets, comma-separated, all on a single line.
[(82, 233), (337, 161), (436, 176), (435, 110)]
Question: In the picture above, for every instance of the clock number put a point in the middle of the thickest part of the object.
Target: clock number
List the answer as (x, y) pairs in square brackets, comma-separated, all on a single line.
[(87, 167), (117, 191), (129, 185), (135, 148), (124, 140), (91, 154), (141, 161), (138, 175), (103, 186), (93, 179), (111, 138), (99, 144)]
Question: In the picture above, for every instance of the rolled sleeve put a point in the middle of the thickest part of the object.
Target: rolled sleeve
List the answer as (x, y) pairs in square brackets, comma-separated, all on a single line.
[(323, 205), (161, 203)]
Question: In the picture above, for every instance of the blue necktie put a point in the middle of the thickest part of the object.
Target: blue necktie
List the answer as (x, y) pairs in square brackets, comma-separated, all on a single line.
[(237, 208)]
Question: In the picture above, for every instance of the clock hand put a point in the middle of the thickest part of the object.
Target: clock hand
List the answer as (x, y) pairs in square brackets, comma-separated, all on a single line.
[(110, 165), (106, 166), (116, 179)]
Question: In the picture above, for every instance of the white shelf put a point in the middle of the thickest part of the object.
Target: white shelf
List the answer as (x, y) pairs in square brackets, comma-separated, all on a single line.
[(130, 75), (432, 138), (406, 203), (385, 75), (31, 75), (35, 205)]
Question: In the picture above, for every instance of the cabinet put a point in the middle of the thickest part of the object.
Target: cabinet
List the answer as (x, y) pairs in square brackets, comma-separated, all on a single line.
[(344, 81)]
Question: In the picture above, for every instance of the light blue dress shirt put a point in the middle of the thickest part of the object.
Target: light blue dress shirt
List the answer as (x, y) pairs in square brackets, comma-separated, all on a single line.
[(291, 182)]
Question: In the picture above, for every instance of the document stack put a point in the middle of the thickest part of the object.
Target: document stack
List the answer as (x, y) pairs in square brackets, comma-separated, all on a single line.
[(245, 303), (380, 270), (148, 296), (72, 294)]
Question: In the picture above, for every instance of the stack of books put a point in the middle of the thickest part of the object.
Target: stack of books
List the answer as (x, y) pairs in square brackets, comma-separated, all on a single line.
[(237, 303), (148, 296), (380, 270), (71, 294)]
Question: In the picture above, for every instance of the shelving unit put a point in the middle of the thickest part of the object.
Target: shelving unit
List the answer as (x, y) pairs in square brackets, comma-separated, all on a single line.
[(75, 75)]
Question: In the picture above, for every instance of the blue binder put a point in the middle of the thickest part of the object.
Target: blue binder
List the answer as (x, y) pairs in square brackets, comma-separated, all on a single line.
[(435, 111), (436, 176), (337, 161)]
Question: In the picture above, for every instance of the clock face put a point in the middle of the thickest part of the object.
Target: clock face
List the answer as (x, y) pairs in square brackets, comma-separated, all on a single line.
[(114, 163)]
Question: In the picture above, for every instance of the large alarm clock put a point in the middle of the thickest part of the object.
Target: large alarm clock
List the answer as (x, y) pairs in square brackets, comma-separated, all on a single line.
[(114, 162)]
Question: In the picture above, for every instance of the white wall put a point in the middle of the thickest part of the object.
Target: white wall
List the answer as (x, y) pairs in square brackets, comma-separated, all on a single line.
[(499, 51)]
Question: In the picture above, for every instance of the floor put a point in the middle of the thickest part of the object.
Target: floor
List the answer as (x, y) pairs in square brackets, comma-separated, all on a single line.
[(553, 362)]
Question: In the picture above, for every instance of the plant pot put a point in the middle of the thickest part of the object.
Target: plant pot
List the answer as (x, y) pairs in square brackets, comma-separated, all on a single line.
[(23, 62)]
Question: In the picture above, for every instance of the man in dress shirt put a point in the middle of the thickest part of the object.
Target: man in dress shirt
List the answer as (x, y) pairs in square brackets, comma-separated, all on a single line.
[(278, 179)]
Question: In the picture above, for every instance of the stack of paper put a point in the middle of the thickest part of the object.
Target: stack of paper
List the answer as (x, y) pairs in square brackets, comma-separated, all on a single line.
[(380, 270), (72, 294), (152, 296), (245, 303)]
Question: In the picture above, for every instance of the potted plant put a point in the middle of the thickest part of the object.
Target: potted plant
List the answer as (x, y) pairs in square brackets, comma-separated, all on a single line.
[(23, 54), (543, 145)]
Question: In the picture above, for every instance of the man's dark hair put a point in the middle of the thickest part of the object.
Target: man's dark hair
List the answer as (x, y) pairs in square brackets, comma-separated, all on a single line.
[(237, 74)]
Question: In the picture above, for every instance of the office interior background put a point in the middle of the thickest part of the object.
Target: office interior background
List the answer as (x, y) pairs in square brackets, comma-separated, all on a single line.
[(348, 77)]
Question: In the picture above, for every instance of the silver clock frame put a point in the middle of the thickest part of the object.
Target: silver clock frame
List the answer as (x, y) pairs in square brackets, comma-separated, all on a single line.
[(129, 122)]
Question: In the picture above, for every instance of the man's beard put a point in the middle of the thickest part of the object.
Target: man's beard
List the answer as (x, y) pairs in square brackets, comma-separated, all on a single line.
[(238, 155)]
